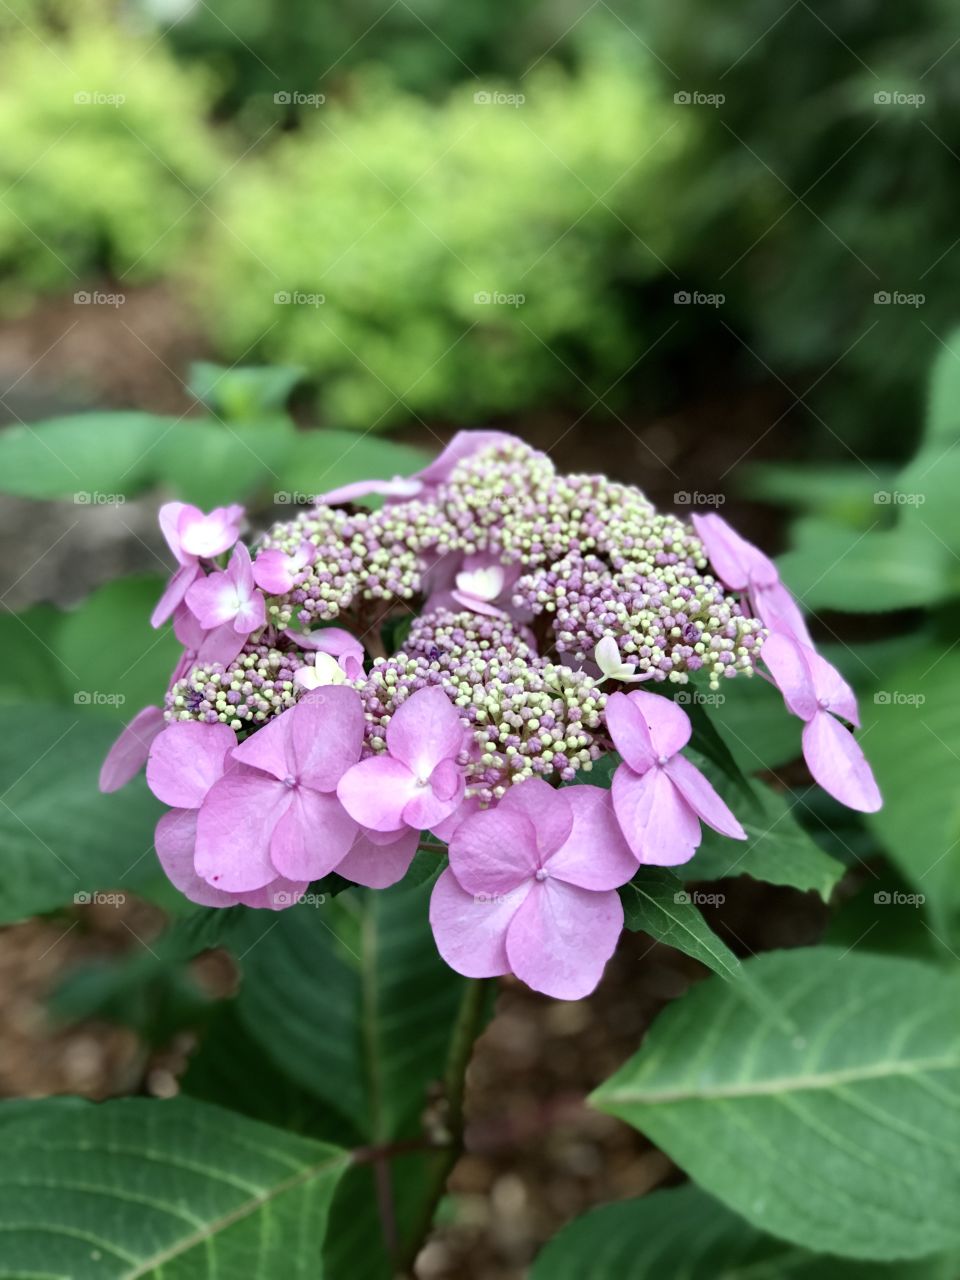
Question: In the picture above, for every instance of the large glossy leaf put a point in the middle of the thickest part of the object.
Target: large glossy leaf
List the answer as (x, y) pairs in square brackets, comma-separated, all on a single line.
[(684, 1233), (912, 735), (146, 1189), (95, 453), (111, 658), (58, 836), (839, 1134), (31, 670)]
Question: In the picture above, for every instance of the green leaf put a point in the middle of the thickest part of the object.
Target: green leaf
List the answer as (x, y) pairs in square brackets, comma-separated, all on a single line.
[(840, 1136), (91, 453), (942, 421), (58, 836), (757, 727), (844, 493), (777, 849), (114, 660), (656, 902), (242, 395), (684, 1233), (352, 1000), (176, 1189), (326, 459), (31, 670), (870, 571), (215, 463), (912, 736)]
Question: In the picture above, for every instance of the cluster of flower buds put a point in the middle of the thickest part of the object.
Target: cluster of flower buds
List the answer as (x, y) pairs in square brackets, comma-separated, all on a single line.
[(522, 608)]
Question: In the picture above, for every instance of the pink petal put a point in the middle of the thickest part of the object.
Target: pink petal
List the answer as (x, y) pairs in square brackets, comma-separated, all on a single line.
[(209, 535), (376, 791), (837, 763), (562, 937), (475, 604), (429, 805), (628, 729), (327, 729), (786, 662), (470, 931), (446, 829), (699, 794), (595, 856), (213, 599), (273, 571), (129, 753), (833, 692), (174, 840), (186, 760), (187, 629), (778, 611), (667, 722), (425, 730), (174, 593), (398, 487), (270, 748), (332, 640), (234, 828), (495, 851), (278, 895), (463, 445), (735, 561), (169, 520), (251, 615), (377, 865), (221, 645), (313, 835), (657, 823), (240, 570), (549, 811)]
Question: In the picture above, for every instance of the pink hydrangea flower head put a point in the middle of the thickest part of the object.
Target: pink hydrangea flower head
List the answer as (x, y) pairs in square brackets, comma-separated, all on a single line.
[(276, 572), (743, 567), (659, 796), (229, 596), (278, 815), (192, 536), (186, 761), (129, 753), (532, 890), (418, 781), (815, 691)]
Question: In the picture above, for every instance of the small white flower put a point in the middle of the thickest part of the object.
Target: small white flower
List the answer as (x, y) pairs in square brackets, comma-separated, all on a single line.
[(482, 584), (325, 670), (607, 657)]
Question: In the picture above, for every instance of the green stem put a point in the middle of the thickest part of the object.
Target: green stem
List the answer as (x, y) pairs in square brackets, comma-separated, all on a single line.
[(465, 1031)]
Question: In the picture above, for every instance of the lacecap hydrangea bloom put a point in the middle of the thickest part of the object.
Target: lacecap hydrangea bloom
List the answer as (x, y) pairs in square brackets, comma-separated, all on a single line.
[(543, 622)]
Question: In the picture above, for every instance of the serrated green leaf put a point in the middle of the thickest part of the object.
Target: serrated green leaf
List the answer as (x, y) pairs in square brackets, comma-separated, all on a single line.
[(656, 902), (840, 1136), (138, 1189), (58, 835), (682, 1232)]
